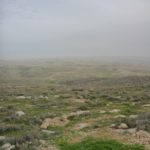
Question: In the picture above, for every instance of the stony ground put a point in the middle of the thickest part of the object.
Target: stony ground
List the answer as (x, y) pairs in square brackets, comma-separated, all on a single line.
[(44, 103)]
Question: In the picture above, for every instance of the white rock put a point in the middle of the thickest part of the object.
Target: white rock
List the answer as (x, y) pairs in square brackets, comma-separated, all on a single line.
[(20, 113)]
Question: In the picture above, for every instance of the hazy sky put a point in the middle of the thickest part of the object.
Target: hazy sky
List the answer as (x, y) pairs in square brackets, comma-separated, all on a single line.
[(51, 28)]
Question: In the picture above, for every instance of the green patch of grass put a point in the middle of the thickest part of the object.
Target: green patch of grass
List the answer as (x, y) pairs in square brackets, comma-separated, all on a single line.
[(91, 144)]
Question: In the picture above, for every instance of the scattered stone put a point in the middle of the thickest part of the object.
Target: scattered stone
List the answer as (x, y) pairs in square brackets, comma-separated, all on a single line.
[(120, 131), (20, 113), (114, 111), (146, 105), (56, 96), (42, 142), (102, 111), (21, 97), (142, 134), (79, 100), (123, 126), (143, 137), (48, 132), (28, 97), (113, 126), (120, 116), (7, 146), (57, 121), (131, 131), (133, 116), (46, 97), (118, 97), (50, 148), (2, 138), (81, 126), (79, 113)]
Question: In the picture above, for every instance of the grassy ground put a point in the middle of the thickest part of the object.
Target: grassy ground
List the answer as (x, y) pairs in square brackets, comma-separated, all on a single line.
[(99, 145), (55, 89)]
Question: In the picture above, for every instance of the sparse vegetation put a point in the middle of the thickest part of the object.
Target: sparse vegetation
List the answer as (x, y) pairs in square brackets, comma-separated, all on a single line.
[(80, 101)]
